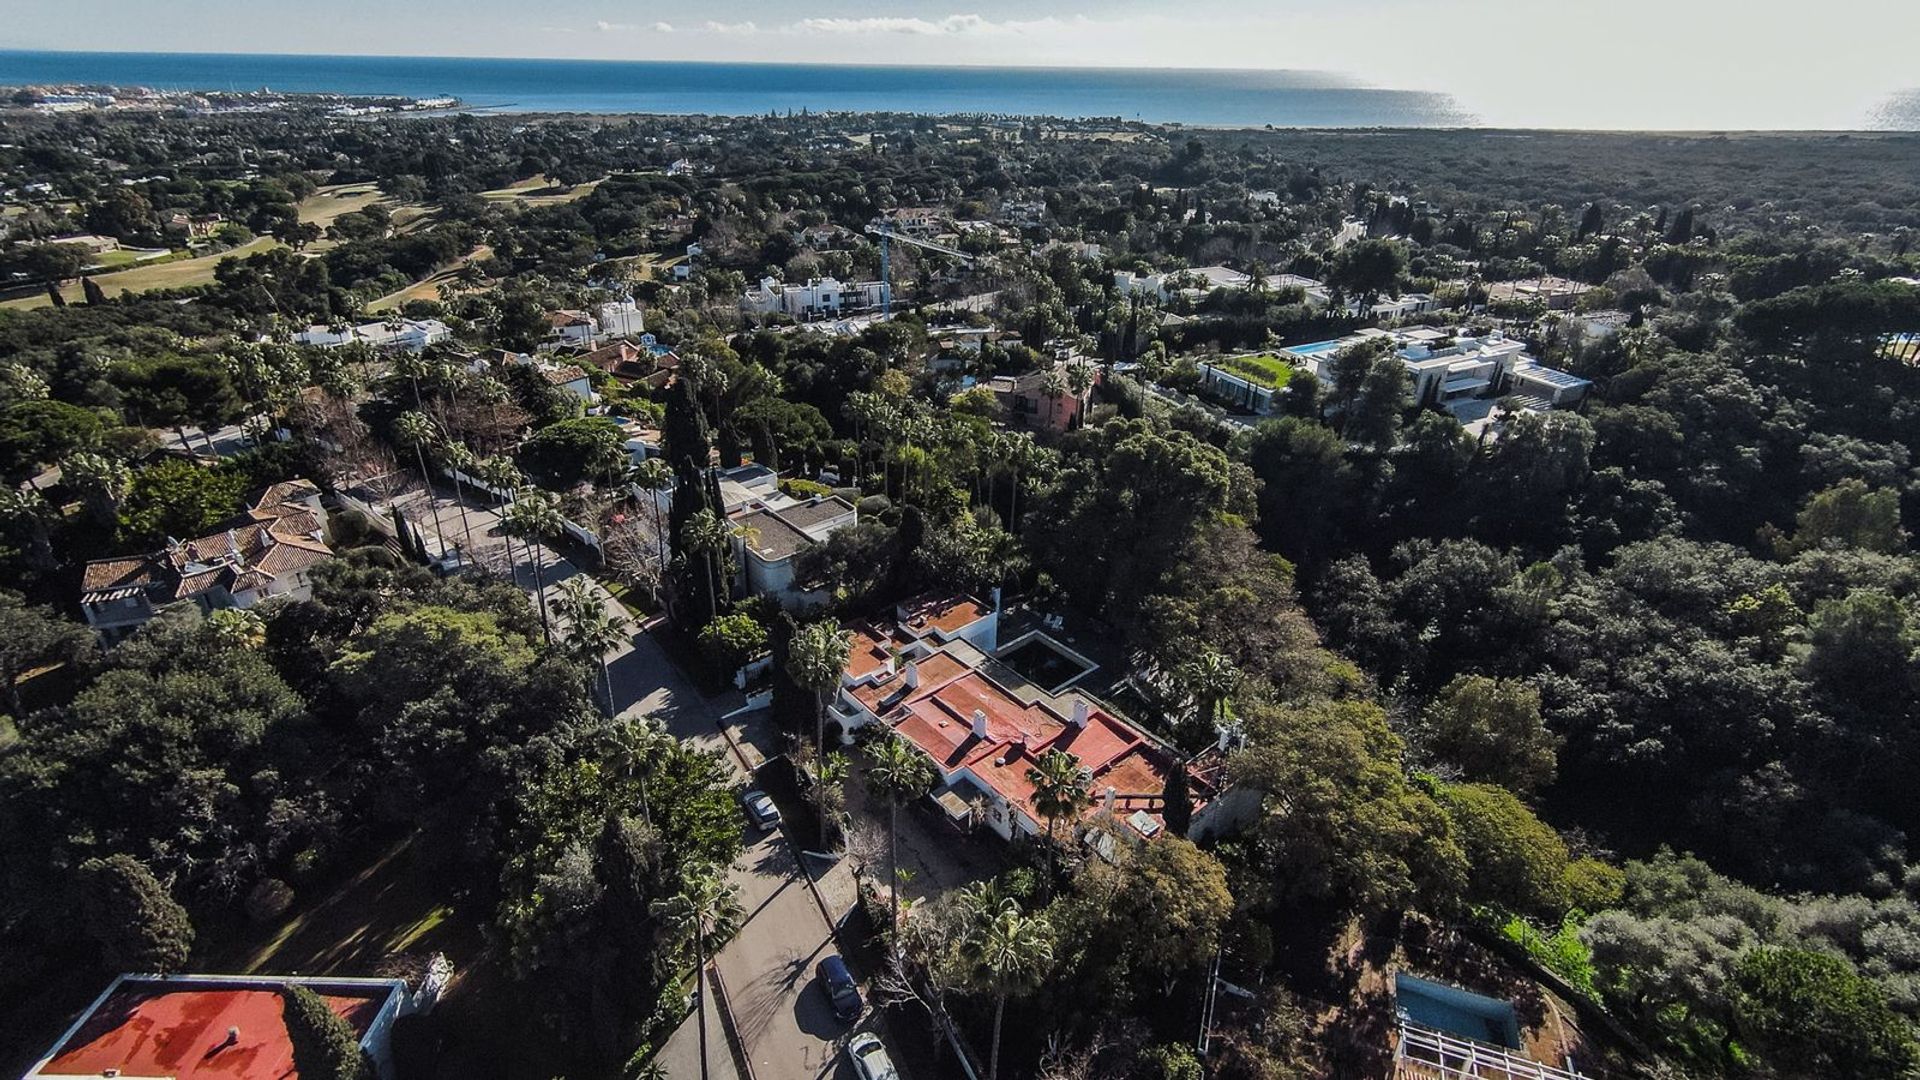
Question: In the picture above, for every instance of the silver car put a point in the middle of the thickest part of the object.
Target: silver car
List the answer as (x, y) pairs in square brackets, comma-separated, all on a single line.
[(870, 1058), (760, 809)]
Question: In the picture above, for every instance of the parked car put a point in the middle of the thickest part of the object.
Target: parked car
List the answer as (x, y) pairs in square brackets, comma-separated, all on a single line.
[(837, 983), (870, 1058), (760, 809)]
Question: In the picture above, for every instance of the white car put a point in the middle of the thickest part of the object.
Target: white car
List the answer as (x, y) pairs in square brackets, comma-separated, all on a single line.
[(870, 1058)]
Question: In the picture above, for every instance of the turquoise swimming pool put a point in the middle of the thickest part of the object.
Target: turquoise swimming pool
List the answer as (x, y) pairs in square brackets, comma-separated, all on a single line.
[(1312, 349)]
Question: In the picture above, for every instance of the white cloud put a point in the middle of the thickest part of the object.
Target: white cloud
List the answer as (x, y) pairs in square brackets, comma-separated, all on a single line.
[(746, 27), (951, 24), (606, 27)]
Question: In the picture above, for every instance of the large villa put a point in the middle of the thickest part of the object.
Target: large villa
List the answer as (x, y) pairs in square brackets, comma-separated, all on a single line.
[(935, 676)]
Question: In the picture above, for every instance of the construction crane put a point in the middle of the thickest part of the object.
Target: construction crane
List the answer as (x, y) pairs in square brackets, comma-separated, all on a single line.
[(886, 236)]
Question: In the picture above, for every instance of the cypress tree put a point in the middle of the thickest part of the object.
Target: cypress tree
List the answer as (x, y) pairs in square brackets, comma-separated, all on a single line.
[(1176, 802)]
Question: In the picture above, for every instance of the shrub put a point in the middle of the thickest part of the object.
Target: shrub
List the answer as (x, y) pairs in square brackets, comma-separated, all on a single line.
[(1561, 952), (730, 641), (324, 1045), (129, 914)]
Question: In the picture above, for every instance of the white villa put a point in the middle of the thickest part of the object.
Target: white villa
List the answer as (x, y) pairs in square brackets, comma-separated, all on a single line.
[(410, 335), (1458, 372), (817, 297), (772, 528)]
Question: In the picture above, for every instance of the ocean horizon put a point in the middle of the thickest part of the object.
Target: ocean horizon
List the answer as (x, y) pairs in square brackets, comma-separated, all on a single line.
[(1200, 97)]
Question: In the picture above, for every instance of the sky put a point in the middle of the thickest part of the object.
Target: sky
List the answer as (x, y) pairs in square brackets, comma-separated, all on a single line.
[(1735, 63)]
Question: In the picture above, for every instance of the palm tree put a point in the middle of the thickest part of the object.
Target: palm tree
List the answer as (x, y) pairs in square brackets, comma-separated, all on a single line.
[(101, 481), (1080, 382), (1010, 952), (592, 629), (1053, 386), (704, 905), (413, 429), (501, 474), (534, 516), (29, 513), (1059, 794), (633, 751), (408, 365), (459, 459), (706, 537), (900, 774), (241, 627), (653, 476), (1212, 679), (1018, 450), (816, 658)]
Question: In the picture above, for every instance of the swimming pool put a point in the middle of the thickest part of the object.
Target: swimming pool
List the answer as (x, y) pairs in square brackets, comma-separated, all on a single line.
[(1313, 349)]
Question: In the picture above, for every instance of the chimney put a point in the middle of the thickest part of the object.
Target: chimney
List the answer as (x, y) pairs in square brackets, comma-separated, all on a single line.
[(1080, 712), (1226, 736), (1110, 802), (979, 724), (913, 675)]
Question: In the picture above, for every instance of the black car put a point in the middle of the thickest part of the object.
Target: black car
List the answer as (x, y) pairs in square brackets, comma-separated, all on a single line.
[(837, 983)]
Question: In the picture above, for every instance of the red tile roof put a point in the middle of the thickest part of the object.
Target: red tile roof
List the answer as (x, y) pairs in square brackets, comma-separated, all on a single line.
[(273, 537), (181, 1030), (937, 717)]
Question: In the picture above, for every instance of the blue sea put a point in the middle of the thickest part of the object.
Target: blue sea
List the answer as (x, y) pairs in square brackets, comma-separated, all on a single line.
[(1300, 99), (1213, 98)]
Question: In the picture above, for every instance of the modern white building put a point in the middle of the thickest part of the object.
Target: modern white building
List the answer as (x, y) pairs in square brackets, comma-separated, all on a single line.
[(1450, 369), (1197, 282), (816, 298), (408, 335), (620, 318), (772, 528)]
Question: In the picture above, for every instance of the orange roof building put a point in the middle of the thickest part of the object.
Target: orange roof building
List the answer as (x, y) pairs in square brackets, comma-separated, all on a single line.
[(930, 676), (213, 1027), (270, 550)]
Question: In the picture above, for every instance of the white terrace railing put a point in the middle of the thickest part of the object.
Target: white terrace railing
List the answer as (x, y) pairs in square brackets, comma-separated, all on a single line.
[(1426, 1054)]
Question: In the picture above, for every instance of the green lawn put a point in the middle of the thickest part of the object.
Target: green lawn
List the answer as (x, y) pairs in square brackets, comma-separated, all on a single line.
[(397, 902), (1265, 369), (175, 274), (538, 190), (330, 202)]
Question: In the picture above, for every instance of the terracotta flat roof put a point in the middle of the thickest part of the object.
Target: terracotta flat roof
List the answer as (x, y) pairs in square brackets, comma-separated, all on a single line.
[(934, 670), (180, 1030), (946, 613), (870, 648)]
